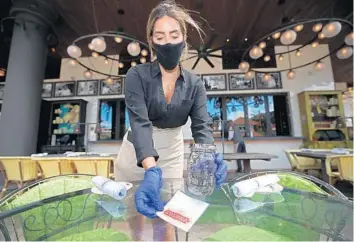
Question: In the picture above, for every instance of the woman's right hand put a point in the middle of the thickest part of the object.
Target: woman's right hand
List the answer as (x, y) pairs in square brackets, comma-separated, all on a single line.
[(148, 195)]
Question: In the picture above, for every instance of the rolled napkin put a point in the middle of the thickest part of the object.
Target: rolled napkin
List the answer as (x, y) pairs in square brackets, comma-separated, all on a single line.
[(116, 190), (245, 188), (248, 187), (266, 180)]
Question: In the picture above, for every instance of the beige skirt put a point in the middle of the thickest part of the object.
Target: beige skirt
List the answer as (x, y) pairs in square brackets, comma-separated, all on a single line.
[(168, 143)]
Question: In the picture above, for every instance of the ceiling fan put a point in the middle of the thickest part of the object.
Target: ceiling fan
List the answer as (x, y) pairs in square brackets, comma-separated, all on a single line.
[(204, 51)]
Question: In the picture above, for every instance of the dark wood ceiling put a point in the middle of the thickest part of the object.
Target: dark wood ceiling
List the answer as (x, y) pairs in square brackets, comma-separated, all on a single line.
[(228, 19)]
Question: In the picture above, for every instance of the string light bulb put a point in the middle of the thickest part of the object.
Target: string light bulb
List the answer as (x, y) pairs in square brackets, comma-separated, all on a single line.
[(276, 35), (317, 27), (94, 54), (291, 74), (267, 77), (319, 66), (266, 58), (120, 65), (244, 66), (106, 61), (314, 44), (109, 80), (321, 36), (281, 57), (298, 53), (133, 63), (73, 62), (142, 60), (249, 75), (88, 74), (2, 72), (262, 45), (144, 52), (299, 27), (118, 39)]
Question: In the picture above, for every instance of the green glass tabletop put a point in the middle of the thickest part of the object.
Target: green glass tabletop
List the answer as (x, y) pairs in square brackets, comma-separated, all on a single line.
[(64, 208)]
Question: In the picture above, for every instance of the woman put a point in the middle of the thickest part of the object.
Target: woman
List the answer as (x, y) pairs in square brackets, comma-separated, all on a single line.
[(159, 97)]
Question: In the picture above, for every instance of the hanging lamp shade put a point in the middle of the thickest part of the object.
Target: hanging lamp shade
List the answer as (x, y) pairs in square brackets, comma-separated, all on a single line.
[(74, 51), (133, 49), (349, 39), (256, 52), (345, 53), (99, 44), (332, 29), (288, 37)]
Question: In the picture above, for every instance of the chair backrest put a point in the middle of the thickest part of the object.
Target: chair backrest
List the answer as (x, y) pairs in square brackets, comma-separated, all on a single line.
[(92, 166), (66, 166), (300, 162), (291, 158), (19, 168), (345, 166), (49, 168), (54, 166)]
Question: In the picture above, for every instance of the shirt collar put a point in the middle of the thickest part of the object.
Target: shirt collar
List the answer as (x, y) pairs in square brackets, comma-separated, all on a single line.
[(155, 70)]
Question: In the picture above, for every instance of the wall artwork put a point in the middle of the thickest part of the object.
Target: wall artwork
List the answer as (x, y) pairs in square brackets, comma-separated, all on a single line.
[(2, 89), (214, 82), (237, 81), (47, 89), (114, 88), (87, 88), (273, 83), (64, 89)]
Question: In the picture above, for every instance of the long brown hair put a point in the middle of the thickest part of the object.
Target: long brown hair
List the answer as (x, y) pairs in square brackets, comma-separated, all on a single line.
[(171, 9)]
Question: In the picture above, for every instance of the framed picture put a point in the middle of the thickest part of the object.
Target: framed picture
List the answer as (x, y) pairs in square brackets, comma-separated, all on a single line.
[(273, 83), (214, 82), (237, 81), (64, 89), (2, 89), (87, 88), (114, 88), (47, 89)]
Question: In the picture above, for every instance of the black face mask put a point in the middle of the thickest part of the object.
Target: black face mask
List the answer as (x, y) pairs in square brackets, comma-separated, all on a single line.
[(168, 55)]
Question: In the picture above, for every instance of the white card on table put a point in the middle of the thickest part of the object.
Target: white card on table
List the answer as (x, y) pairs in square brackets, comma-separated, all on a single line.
[(183, 211)]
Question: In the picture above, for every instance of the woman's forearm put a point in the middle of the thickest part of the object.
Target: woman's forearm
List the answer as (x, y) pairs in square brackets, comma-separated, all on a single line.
[(148, 162)]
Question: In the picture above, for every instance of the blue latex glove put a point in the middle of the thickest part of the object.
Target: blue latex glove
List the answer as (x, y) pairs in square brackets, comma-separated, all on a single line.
[(221, 169), (147, 197)]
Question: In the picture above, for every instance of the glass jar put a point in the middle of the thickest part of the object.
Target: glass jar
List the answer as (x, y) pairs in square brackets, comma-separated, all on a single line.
[(201, 169)]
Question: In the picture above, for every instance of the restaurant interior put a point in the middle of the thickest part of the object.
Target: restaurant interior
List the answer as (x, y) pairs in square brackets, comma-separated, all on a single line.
[(277, 72)]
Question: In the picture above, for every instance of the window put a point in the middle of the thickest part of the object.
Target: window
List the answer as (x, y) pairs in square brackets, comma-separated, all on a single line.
[(113, 119), (214, 107), (255, 115), (235, 112)]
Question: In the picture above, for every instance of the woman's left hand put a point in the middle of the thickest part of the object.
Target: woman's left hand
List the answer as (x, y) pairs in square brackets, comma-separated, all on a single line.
[(221, 169)]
